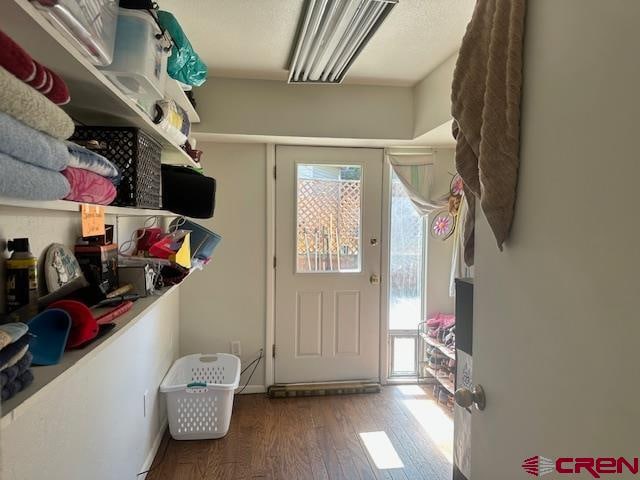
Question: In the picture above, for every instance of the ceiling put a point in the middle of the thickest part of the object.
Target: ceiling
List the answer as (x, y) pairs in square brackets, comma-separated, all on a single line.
[(253, 38)]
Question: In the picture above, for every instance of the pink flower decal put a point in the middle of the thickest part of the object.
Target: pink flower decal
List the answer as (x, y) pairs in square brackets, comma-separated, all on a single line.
[(457, 186), (442, 225)]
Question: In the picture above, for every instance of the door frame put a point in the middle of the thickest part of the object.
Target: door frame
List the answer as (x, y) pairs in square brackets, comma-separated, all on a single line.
[(385, 268), (270, 291), (270, 206)]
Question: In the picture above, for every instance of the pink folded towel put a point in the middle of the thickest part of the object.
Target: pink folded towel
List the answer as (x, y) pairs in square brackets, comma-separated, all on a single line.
[(89, 187)]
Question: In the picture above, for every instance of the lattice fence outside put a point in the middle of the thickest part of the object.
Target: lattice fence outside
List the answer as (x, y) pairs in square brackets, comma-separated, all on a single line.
[(328, 232)]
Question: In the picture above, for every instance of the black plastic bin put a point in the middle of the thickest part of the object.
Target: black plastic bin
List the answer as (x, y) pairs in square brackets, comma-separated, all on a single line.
[(136, 154)]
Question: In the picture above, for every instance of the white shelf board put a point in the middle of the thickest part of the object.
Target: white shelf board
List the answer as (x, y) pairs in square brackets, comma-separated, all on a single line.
[(67, 206), (74, 359), (175, 92), (94, 99)]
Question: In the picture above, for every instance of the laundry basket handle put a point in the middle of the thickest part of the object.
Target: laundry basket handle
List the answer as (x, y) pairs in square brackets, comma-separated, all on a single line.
[(197, 385)]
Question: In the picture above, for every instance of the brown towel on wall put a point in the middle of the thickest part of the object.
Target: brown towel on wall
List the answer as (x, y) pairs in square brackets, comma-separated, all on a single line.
[(486, 92)]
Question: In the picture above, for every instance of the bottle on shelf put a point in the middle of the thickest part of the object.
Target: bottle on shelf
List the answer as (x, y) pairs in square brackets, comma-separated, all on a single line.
[(22, 275)]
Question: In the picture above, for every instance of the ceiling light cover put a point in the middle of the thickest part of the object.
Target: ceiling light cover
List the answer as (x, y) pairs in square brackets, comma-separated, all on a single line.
[(332, 34)]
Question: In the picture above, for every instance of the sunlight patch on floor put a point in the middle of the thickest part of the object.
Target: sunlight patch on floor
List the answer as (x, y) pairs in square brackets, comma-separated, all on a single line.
[(411, 391), (436, 424), (381, 450)]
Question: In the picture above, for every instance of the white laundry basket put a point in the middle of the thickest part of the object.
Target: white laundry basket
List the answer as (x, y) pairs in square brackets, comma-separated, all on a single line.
[(199, 390)]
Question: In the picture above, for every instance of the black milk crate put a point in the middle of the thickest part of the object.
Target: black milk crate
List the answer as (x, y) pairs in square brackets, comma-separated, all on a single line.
[(136, 154)]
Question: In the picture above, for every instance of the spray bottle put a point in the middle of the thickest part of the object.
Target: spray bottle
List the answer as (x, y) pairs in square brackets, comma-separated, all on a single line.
[(22, 275)]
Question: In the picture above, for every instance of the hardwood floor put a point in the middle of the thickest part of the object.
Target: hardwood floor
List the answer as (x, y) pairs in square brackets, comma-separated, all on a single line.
[(319, 438)]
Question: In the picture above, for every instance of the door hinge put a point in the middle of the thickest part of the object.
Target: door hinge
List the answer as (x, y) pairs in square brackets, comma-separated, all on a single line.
[(275, 262), (275, 170), (273, 350)]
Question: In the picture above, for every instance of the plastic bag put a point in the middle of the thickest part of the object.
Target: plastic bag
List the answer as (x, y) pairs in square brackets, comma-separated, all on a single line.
[(184, 63)]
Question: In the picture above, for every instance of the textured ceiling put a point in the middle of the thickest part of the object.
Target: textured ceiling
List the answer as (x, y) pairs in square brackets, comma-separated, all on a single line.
[(253, 38)]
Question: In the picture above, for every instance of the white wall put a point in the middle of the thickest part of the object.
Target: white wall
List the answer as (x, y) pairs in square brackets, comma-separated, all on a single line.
[(90, 423), (226, 301), (556, 330), (262, 107), (432, 98)]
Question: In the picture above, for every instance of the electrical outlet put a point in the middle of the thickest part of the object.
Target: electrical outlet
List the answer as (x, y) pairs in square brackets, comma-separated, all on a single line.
[(236, 348), (145, 403)]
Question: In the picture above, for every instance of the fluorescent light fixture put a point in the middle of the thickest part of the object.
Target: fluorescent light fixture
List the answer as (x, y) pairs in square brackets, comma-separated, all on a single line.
[(331, 35)]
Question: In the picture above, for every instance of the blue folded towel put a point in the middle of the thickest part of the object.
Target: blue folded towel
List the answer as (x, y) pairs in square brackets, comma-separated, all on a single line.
[(86, 159), (31, 146), (22, 180), (9, 374), (21, 382)]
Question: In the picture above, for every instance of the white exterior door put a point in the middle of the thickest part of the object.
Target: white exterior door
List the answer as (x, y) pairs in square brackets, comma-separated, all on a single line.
[(328, 221)]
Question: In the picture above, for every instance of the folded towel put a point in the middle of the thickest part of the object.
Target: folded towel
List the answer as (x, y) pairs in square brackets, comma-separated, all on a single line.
[(486, 92), (21, 180), (13, 352), (40, 79), (89, 187), (86, 159), (18, 62), (20, 383), (32, 108), (28, 145), (11, 332), (9, 374)]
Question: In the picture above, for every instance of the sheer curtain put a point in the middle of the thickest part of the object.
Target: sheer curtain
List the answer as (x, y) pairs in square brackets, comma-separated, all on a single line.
[(416, 170)]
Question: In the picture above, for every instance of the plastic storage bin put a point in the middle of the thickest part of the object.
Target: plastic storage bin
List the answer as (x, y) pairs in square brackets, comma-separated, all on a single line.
[(137, 156), (199, 391), (139, 67), (90, 25)]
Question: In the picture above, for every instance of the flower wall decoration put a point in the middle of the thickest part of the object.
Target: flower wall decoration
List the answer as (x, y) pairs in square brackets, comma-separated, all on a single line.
[(444, 221), (443, 225)]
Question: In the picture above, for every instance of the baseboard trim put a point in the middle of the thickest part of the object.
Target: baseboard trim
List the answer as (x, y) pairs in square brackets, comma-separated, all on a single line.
[(154, 450), (252, 389)]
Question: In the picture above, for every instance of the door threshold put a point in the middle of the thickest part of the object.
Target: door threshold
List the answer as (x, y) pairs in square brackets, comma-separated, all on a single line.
[(322, 389), (403, 381)]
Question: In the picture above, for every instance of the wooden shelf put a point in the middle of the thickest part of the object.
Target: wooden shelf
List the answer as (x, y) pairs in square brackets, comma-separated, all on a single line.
[(67, 206), (175, 91), (444, 381), (446, 351), (73, 360), (94, 99)]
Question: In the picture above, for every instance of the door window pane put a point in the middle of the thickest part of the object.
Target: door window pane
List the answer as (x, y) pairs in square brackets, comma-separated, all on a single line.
[(328, 234), (404, 356), (406, 262)]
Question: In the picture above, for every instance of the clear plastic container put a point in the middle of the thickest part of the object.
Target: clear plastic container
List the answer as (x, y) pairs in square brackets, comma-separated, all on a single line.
[(139, 67), (90, 25)]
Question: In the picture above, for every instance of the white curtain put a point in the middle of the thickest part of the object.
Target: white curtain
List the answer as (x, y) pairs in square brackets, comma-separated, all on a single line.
[(415, 169)]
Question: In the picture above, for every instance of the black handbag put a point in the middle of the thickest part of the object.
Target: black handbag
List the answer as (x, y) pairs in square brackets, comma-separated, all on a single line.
[(187, 192)]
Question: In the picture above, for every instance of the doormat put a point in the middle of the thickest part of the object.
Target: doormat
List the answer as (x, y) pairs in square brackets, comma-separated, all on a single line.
[(321, 389)]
